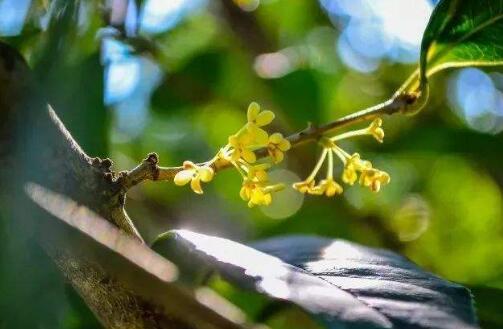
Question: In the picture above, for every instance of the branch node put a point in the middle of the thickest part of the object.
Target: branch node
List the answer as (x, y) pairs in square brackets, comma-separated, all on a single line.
[(152, 158), (102, 164), (410, 98), (109, 177), (107, 164)]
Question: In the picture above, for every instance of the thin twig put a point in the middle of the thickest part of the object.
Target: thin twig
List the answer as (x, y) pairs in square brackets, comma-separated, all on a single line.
[(149, 170)]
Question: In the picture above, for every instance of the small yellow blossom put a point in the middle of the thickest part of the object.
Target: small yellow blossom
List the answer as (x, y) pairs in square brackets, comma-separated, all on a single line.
[(258, 193), (194, 174), (247, 189), (375, 129), (374, 178), (258, 172), (255, 193), (241, 145), (254, 189), (276, 146), (353, 165), (305, 186), (256, 119), (260, 197), (329, 187)]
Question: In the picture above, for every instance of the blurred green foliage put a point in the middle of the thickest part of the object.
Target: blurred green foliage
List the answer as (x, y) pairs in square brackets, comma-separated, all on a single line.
[(443, 208)]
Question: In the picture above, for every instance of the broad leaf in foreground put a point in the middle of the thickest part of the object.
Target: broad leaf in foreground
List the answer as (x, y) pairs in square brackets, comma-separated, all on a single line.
[(462, 33), (344, 284), (405, 294)]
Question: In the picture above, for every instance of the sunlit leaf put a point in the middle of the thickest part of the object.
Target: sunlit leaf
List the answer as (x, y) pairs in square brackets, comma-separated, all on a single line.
[(344, 284), (269, 275), (462, 33), (405, 294)]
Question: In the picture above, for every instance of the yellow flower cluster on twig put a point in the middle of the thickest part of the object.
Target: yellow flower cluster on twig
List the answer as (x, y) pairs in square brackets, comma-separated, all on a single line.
[(257, 190), (240, 153), (353, 165)]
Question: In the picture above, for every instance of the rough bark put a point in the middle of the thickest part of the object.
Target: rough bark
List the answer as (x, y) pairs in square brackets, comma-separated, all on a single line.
[(36, 147)]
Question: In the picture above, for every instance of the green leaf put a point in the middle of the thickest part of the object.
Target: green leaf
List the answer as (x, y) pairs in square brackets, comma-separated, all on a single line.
[(489, 303), (343, 284), (462, 33)]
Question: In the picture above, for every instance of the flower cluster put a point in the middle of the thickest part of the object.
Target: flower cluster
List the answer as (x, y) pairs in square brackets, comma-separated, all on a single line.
[(194, 174), (240, 152), (354, 167)]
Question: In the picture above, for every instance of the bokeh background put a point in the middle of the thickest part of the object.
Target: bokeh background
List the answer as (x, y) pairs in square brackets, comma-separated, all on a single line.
[(176, 77)]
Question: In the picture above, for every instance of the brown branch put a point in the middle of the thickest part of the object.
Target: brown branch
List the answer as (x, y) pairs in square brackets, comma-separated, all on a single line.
[(37, 147), (149, 170)]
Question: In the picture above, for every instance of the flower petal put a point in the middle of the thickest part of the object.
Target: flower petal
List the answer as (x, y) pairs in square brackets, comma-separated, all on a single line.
[(183, 177), (248, 156), (261, 136), (189, 165), (284, 145), (206, 173), (244, 193), (257, 196), (275, 138), (267, 199), (195, 184), (264, 118), (277, 156), (253, 111)]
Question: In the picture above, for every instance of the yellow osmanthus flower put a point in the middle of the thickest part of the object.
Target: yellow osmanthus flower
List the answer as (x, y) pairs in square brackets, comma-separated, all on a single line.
[(195, 175), (309, 185), (329, 187), (241, 144), (354, 166), (256, 119), (374, 178), (240, 152), (258, 172), (306, 186), (277, 146), (255, 193), (375, 130), (369, 176), (255, 189)]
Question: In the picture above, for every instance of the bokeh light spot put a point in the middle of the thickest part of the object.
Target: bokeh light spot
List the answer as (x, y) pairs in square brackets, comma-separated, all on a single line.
[(286, 202), (377, 30), (161, 15), (476, 100), (12, 16)]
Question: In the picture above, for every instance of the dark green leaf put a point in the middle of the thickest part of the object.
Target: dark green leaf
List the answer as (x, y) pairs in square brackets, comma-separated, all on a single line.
[(489, 303), (257, 271), (341, 282), (405, 294), (462, 33)]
